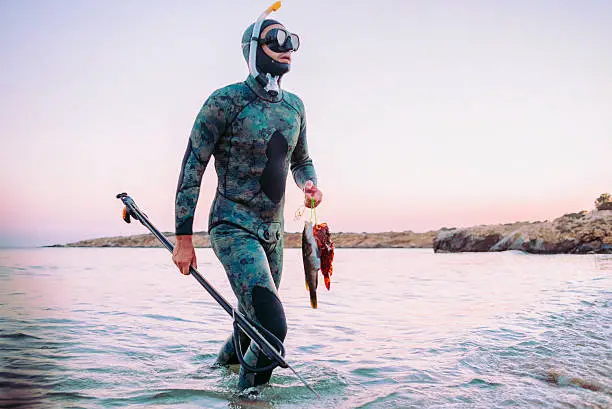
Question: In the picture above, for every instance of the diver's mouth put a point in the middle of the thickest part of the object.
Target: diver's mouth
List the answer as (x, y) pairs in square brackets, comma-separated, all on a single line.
[(285, 58)]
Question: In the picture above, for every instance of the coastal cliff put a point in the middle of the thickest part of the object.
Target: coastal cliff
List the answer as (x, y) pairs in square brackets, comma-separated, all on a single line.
[(573, 233)]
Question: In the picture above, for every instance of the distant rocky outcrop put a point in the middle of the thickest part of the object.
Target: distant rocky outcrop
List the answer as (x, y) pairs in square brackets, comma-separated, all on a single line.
[(604, 202), (407, 239), (200, 239), (605, 206), (574, 233)]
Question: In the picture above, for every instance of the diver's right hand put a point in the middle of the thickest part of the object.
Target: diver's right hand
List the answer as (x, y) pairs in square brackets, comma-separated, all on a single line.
[(184, 254)]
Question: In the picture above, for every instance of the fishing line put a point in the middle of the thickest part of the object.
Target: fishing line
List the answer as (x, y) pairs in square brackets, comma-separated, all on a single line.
[(313, 210)]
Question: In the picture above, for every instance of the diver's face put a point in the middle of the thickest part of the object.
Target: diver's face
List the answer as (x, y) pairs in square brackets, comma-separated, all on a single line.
[(285, 57)]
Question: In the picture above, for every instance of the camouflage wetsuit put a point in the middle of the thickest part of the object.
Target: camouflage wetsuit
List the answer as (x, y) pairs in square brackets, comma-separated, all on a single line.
[(255, 138)]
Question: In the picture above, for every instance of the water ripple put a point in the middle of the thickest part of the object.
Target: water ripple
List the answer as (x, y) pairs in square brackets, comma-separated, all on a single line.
[(111, 328)]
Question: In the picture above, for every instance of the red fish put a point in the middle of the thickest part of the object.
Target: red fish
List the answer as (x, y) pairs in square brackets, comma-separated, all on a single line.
[(326, 251)]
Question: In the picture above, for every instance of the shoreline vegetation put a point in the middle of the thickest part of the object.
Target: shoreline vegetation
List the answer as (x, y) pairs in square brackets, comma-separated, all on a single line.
[(573, 233)]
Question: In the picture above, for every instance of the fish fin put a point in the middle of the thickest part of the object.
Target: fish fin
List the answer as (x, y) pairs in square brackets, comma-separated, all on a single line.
[(313, 298), (313, 303)]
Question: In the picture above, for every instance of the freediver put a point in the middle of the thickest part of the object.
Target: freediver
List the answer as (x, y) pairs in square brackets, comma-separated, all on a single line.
[(256, 131)]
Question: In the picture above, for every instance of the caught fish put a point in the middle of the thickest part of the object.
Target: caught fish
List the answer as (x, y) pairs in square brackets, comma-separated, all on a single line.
[(312, 262), (326, 251)]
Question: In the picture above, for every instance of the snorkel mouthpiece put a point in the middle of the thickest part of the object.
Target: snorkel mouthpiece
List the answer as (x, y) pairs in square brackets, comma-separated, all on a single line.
[(271, 82), (272, 85)]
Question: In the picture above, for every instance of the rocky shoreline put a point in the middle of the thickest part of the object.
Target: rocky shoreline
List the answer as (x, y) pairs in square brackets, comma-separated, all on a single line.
[(573, 233), (407, 239)]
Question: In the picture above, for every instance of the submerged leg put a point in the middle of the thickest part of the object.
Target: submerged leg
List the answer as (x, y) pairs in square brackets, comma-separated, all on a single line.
[(268, 312), (227, 353), (246, 263)]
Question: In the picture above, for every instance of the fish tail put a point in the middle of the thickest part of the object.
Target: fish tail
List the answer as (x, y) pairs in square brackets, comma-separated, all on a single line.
[(313, 297), (327, 281)]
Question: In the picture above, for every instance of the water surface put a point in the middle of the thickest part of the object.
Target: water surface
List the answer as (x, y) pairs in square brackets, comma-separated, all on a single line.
[(400, 328)]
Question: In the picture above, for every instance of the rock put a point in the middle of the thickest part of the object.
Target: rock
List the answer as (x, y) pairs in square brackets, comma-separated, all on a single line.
[(451, 241), (605, 206), (573, 233)]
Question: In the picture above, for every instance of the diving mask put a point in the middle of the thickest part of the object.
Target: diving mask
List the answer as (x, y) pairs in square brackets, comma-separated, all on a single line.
[(279, 40)]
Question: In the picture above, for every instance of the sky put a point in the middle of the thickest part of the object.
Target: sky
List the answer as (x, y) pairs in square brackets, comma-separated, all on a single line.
[(421, 114)]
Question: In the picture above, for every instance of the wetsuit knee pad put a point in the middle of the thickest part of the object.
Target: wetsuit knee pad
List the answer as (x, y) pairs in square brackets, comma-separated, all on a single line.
[(269, 311)]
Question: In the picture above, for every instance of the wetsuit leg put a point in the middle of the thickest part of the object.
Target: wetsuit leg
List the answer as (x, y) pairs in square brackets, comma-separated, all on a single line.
[(227, 354), (275, 260), (246, 263)]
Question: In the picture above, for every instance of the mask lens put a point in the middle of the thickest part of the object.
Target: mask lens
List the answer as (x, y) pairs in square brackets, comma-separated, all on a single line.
[(281, 37), (295, 42)]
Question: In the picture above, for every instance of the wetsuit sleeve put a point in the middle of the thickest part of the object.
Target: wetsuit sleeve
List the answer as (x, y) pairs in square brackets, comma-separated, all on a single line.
[(301, 164), (207, 129)]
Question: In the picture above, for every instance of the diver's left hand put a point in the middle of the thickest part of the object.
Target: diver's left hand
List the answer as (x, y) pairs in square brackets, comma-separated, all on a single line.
[(312, 192)]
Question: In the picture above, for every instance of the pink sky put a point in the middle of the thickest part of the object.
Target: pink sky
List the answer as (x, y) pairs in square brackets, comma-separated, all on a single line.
[(421, 115)]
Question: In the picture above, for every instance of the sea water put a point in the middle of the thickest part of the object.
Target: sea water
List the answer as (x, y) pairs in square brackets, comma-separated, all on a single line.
[(400, 328)]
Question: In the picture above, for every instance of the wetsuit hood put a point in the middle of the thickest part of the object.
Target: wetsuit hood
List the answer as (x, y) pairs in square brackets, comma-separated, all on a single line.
[(264, 63)]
